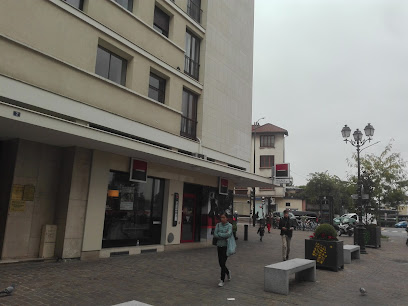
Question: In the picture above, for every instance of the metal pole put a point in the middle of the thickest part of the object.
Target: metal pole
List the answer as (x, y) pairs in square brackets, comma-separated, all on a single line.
[(361, 229), (253, 188)]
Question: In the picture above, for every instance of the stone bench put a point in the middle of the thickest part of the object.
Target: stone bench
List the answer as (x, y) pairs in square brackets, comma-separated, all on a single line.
[(351, 252), (276, 276)]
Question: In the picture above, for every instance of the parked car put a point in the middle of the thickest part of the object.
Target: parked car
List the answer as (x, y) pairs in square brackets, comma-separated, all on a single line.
[(401, 224)]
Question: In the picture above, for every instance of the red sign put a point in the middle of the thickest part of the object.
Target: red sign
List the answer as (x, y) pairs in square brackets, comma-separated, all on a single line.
[(223, 186), (282, 171), (138, 171)]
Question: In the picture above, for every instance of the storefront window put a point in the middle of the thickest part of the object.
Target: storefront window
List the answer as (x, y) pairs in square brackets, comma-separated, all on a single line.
[(133, 211)]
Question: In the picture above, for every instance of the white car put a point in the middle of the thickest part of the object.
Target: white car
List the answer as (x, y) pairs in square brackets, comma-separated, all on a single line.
[(371, 218)]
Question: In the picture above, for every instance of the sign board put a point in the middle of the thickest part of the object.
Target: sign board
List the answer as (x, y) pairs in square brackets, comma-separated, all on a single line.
[(281, 171), (138, 171), (29, 192), (223, 186), (175, 209), (17, 206), (364, 196), (17, 192), (278, 181)]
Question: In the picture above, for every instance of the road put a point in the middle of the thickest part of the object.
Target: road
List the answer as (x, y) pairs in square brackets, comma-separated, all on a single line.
[(394, 232)]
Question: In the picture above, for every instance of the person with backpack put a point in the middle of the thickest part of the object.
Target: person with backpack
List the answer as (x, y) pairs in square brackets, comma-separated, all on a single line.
[(223, 231)]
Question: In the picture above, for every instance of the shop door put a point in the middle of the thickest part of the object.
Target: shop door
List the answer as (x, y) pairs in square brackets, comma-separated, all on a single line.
[(188, 223)]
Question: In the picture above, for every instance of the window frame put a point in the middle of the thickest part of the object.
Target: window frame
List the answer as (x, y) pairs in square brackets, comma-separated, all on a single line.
[(270, 159), (268, 143), (156, 26), (192, 65), (160, 91), (81, 4), (185, 117), (129, 5), (123, 66)]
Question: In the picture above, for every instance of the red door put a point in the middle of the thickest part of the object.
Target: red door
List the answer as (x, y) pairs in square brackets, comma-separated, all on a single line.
[(188, 218)]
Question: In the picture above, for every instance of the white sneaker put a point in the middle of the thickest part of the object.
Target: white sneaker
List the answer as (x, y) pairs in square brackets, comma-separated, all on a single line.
[(229, 276), (221, 284)]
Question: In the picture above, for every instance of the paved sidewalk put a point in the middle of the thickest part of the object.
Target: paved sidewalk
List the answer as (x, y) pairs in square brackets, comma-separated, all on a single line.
[(190, 277)]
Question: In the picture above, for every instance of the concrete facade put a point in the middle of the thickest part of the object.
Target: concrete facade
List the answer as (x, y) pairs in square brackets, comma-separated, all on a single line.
[(64, 129)]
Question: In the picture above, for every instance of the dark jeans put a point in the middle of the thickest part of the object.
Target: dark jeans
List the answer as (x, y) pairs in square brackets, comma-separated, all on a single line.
[(222, 259)]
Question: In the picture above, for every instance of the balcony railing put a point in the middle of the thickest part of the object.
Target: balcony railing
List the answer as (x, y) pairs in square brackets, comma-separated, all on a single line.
[(191, 67), (194, 11), (188, 127)]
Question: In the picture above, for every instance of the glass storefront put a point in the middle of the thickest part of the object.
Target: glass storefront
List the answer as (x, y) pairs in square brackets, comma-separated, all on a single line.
[(133, 212)]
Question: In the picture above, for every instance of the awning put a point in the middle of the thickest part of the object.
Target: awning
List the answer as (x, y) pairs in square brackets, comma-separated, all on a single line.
[(18, 122)]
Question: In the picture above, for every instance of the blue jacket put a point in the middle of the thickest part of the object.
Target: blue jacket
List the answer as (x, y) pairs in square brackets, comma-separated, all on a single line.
[(222, 233)]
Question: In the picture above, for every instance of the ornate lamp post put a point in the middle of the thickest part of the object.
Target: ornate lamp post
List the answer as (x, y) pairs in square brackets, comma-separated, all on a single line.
[(358, 142)]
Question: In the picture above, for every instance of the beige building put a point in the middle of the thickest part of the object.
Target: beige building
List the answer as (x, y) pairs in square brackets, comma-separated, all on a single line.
[(124, 125), (268, 149)]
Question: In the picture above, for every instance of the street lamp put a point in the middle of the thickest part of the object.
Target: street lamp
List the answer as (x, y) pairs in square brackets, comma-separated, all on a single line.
[(256, 124), (358, 142)]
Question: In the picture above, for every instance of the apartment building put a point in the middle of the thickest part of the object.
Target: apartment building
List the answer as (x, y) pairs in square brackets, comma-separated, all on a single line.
[(124, 125), (268, 149)]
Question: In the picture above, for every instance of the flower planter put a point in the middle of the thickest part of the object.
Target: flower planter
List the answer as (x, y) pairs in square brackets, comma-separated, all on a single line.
[(372, 237), (328, 254)]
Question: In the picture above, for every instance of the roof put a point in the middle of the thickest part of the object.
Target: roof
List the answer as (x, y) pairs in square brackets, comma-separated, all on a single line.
[(269, 128)]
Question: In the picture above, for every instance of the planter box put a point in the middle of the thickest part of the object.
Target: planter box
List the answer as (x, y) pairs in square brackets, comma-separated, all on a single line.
[(328, 254), (372, 237)]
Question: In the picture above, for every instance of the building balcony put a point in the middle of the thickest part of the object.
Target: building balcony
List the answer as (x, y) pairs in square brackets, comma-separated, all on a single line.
[(191, 67), (188, 128)]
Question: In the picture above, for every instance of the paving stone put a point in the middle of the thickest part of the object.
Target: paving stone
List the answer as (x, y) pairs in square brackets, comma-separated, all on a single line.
[(190, 277)]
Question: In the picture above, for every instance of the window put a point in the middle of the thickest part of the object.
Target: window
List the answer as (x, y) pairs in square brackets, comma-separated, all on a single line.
[(287, 204), (192, 55), (110, 66), (194, 9), (133, 211), (79, 4), (267, 141), (267, 161), (161, 22), (189, 116), (157, 88), (127, 4)]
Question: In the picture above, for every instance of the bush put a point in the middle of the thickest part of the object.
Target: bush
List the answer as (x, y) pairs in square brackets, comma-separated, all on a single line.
[(325, 232)]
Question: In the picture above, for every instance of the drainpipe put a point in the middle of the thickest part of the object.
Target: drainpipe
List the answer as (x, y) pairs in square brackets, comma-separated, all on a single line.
[(199, 146)]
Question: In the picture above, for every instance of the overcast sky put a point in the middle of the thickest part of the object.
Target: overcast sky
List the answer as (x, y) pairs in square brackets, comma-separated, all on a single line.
[(320, 64)]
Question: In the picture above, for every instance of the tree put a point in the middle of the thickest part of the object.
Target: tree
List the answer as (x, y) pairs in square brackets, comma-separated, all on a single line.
[(322, 184), (384, 177)]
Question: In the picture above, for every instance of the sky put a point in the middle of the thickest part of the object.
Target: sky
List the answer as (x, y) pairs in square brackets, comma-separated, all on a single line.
[(321, 64)]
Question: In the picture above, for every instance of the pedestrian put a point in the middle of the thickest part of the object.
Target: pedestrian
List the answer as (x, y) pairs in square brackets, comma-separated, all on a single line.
[(286, 226), (269, 223), (261, 230), (223, 231)]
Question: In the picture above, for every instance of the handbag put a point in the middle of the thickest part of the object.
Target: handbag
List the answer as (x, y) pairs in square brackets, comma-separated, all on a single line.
[(231, 246)]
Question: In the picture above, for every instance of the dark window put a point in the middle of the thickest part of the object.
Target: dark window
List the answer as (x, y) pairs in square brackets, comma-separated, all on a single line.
[(287, 204), (194, 9), (110, 66), (189, 116), (157, 88), (133, 211), (267, 141), (127, 4), (192, 55), (267, 161), (161, 22), (79, 4)]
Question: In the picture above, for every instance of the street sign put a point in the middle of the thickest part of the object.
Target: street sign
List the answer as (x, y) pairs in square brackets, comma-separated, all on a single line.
[(278, 181), (364, 196)]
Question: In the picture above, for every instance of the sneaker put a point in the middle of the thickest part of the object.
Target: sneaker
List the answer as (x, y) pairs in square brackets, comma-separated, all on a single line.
[(284, 259), (229, 276), (221, 284)]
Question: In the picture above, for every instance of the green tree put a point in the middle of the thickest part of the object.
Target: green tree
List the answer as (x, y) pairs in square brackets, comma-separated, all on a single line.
[(384, 177), (322, 184)]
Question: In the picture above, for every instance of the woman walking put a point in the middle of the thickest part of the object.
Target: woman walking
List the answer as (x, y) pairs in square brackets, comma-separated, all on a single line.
[(223, 231)]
